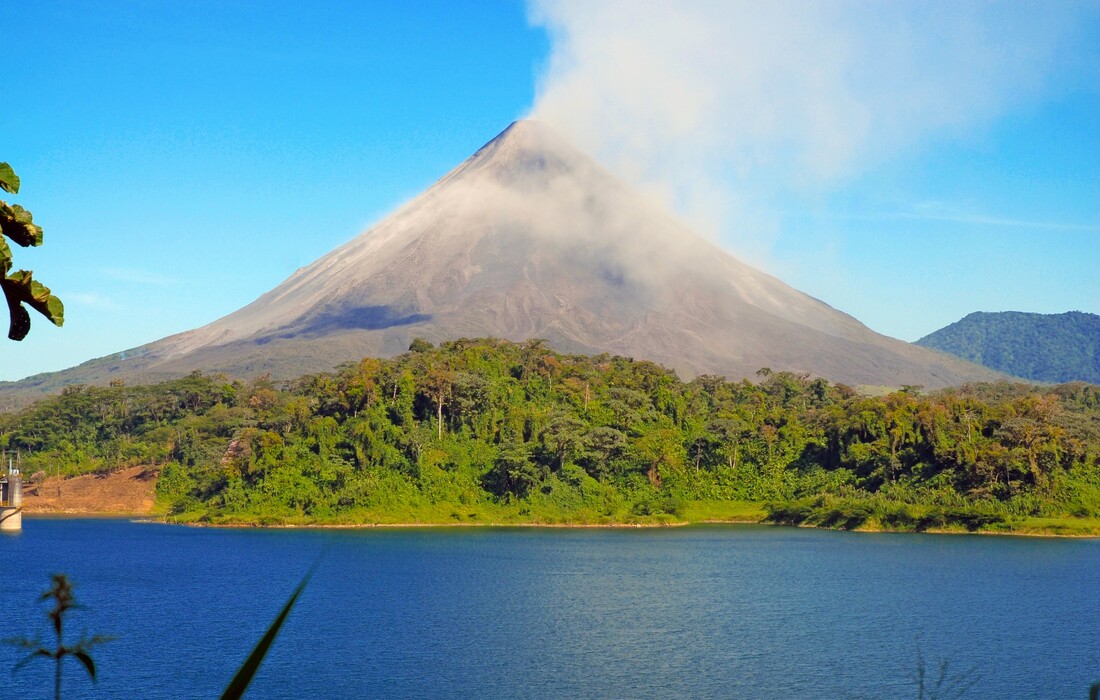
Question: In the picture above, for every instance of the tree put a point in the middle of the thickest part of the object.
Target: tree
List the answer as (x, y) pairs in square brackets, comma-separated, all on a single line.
[(563, 437), (62, 594), (658, 447), (603, 447), (513, 472), (17, 224), (1030, 427), (437, 385), (729, 430)]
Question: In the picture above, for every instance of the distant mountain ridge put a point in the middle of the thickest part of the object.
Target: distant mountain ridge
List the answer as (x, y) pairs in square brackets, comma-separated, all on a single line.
[(531, 238), (1042, 347)]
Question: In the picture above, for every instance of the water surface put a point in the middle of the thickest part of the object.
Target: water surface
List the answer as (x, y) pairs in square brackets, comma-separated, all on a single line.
[(695, 612)]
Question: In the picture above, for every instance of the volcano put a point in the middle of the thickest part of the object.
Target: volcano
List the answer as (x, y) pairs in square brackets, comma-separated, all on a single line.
[(530, 238)]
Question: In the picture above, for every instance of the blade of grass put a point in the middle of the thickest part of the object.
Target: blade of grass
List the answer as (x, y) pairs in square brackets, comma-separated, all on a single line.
[(239, 684)]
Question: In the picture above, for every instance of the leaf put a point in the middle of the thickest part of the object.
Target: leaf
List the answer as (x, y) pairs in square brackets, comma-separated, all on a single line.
[(20, 287), (17, 224), (54, 310), (85, 659), (34, 654), (248, 669), (9, 181), (5, 257), (23, 642), (20, 320)]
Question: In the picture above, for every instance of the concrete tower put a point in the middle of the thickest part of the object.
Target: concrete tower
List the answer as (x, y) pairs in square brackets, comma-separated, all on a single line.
[(11, 500)]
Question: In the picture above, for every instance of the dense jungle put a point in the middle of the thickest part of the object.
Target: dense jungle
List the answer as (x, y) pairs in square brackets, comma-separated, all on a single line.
[(490, 431)]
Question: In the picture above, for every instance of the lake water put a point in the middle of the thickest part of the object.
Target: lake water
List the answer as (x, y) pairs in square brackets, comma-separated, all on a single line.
[(695, 612)]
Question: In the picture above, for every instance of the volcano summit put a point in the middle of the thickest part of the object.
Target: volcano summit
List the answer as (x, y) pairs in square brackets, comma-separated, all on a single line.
[(530, 238)]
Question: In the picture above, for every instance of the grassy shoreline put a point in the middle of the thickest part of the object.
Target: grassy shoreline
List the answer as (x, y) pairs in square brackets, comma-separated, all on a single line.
[(1087, 528), (692, 513), (820, 513)]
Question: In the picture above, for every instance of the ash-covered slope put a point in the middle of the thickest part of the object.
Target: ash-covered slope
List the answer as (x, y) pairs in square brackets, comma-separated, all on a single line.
[(531, 238)]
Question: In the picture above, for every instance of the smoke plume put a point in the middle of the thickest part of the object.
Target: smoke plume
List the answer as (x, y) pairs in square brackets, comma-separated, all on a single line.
[(723, 108)]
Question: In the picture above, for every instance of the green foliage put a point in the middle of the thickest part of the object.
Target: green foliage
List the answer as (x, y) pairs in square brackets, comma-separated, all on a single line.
[(17, 224), (61, 593), (9, 181), (1041, 347), (877, 513), (493, 431), (241, 680)]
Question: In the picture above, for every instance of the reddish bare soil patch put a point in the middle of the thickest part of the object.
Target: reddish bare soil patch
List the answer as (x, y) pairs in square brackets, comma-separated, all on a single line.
[(126, 492)]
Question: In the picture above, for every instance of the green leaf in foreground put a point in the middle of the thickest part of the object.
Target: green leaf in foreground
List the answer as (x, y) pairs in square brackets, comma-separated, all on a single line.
[(17, 224), (20, 288), (62, 594), (251, 665), (9, 181)]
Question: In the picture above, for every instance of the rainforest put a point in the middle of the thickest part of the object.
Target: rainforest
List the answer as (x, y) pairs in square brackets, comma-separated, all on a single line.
[(487, 431)]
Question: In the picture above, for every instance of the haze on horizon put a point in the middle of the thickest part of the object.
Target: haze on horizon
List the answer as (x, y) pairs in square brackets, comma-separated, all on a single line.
[(898, 161)]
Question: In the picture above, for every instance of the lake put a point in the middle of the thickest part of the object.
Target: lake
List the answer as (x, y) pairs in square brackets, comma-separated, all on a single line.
[(691, 612)]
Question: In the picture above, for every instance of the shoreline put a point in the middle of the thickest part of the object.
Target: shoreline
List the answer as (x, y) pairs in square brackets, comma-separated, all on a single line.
[(145, 518), (617, 526)]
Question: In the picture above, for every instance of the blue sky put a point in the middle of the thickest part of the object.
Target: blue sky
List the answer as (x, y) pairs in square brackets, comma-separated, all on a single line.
[(183, 158)]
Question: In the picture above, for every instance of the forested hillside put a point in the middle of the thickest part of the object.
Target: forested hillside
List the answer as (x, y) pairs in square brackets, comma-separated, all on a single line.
[(492, 431), (1042, 347)]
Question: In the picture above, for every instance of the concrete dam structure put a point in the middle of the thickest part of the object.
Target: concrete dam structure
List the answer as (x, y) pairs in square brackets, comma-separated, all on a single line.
[(11, 501)]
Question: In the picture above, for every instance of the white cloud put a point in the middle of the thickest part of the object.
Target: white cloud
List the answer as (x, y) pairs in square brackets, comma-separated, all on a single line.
[(723, 106), (996, 221)]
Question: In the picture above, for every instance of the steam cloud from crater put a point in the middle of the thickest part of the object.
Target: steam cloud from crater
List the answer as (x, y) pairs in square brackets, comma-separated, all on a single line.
[(723, 107)]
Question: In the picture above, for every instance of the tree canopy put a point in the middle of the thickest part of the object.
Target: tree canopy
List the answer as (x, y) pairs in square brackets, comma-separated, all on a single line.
[(1041, 347), (488, 430)]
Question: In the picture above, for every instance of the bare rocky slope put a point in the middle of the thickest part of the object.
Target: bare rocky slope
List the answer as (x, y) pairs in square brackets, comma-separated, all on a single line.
[(529, 238)]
